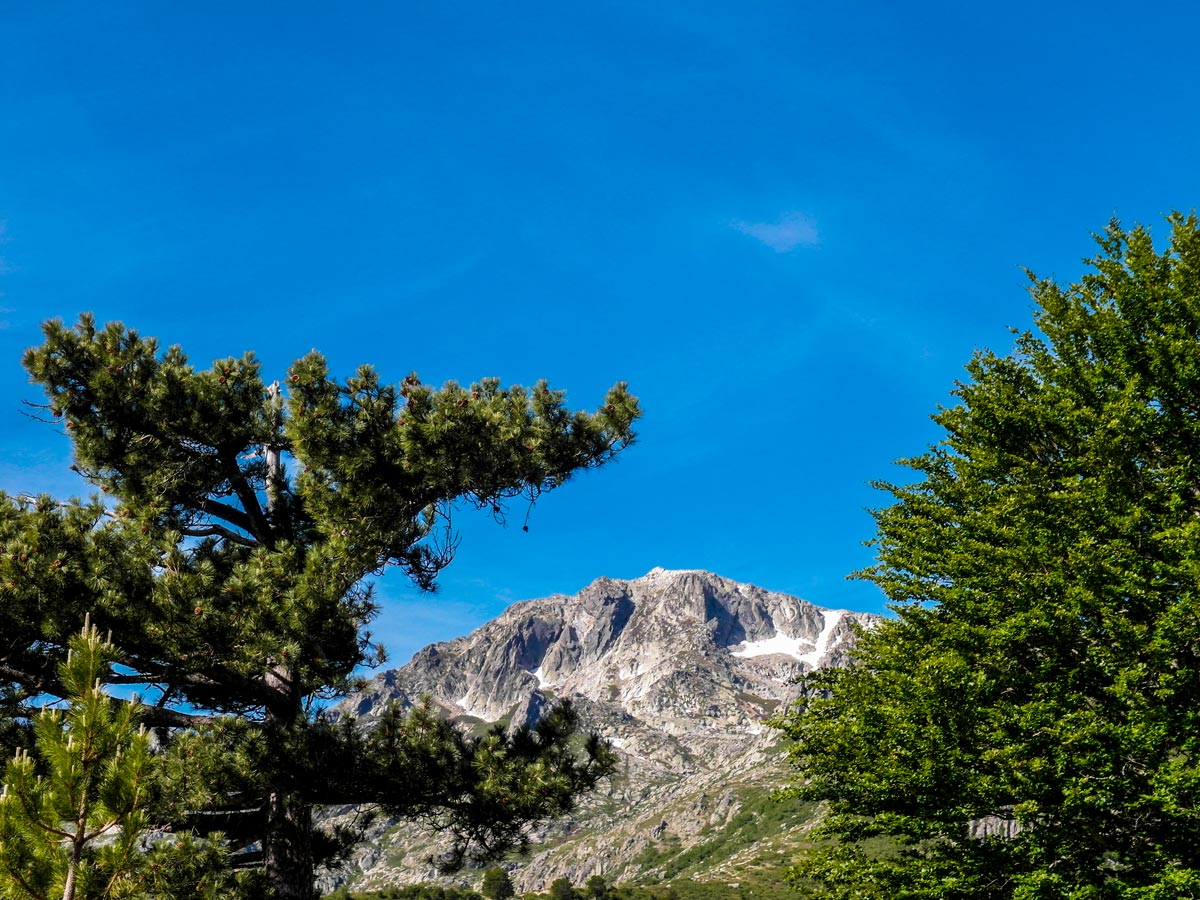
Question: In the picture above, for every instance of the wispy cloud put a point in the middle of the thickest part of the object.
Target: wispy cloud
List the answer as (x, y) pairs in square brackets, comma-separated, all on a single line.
[(794, 229)]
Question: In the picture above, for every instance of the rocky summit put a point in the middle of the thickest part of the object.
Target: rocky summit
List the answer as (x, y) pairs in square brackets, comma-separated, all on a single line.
[(679, 671)]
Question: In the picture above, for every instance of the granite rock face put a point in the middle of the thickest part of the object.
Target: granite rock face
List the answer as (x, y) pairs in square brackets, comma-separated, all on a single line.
[(678, 669)]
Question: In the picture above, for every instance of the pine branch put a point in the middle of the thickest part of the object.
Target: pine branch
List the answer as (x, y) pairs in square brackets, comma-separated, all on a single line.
[(140, 678), (215, 530), (222, 684), (259, 526), (25, 885), (159, 716), (37, 683), (230, 514)]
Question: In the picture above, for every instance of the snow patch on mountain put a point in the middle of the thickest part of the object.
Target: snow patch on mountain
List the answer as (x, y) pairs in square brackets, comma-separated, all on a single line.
[(777, 643), (806, 650), (833, 618), (472, 712)]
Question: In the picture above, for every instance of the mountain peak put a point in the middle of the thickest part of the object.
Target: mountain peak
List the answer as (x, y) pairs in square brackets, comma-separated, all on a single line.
[(678, 669), (659, 572), (626, 641)]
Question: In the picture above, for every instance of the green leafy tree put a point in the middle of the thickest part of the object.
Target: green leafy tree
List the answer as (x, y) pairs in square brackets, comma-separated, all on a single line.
[(232, 556), (596, 888), (73, 826), (562, 889), (497, 885), (1027, 725)]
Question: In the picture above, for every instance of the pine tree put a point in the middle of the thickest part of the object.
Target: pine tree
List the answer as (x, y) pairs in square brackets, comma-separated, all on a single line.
[(1027, 726), (232, 555), (73, 815)]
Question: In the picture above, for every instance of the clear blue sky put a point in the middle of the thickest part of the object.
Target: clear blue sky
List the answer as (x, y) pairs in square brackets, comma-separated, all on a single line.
[(786, 224)]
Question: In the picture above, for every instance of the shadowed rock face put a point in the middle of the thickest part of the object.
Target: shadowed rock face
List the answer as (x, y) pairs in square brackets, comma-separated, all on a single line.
[(677, 668)]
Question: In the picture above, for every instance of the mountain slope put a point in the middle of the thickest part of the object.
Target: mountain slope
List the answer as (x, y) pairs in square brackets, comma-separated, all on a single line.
[(678, 669)]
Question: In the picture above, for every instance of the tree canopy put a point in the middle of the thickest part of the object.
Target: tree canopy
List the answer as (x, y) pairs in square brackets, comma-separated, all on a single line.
[(230, 554), (1027, 724), (497, 885)]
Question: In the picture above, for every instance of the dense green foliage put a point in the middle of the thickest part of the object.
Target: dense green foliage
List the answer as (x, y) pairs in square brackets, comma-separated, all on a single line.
[(1028, 725), (73, 815), (231, 559), (497, 885)]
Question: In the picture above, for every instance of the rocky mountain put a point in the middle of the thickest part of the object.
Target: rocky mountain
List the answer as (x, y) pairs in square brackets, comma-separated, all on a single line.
[(679, 670)]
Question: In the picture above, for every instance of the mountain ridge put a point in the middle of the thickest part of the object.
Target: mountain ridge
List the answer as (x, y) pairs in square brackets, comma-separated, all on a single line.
[(677, 669)]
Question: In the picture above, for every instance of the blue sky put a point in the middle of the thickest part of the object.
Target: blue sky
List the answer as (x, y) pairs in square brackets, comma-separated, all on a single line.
[(787, 225)]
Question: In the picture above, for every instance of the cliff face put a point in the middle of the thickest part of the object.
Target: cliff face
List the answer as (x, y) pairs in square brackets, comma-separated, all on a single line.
[(678, 669)]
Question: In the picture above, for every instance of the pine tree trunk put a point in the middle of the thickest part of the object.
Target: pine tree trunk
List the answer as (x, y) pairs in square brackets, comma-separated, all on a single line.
[(77, 843), (288, 847)]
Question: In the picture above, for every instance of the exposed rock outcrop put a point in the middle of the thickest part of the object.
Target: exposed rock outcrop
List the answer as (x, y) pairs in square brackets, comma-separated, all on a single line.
[(678, 669)]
